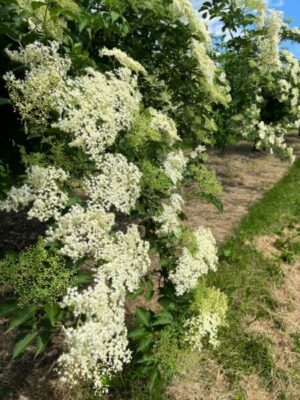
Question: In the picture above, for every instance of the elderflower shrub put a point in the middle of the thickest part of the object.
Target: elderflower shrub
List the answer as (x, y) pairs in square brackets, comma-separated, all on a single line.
[(129, 164), (36, 276), (42, 190), (210, 306), (117, 185), (190, 266)]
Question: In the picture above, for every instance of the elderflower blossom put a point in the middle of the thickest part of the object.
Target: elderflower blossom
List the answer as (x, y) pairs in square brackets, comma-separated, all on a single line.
[(95, 107), (117, 185), (169, 217), (271, 137), (268, 44), (191, 266), (204, 325), (123, 59), (82, 232), (99, 346), (174, 166), (206, 65), (164, 125), (41, 189), (127, 260), (183, 9), (198, 151), (34, 95)]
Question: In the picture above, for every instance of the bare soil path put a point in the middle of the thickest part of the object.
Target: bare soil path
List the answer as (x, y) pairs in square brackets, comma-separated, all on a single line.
[(245, 176)]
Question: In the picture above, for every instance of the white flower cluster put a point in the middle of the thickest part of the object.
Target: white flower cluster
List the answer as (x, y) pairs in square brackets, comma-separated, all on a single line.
[(34, 96), (201, 326), (124, 59), (289, 86), (98, 347), (95, 107), (206, 65), (169, 217), (127, 260), (42, 190), (184, 10), (191, 266), (272, 138), (207, 72), (174, 166), (285, 88), (198, 152), (165, 126), (117, 185), (268, 43), (82, 232)]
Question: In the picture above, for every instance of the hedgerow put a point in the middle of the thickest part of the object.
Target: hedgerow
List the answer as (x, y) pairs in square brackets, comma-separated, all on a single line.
[(104, 98)]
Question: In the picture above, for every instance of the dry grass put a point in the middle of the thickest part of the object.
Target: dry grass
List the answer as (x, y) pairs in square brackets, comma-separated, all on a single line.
[(199, 379)]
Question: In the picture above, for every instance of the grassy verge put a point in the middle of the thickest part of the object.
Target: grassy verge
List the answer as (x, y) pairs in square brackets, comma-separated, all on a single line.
[(248, 278)]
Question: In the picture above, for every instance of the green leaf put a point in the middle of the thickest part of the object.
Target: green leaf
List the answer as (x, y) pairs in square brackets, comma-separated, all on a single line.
[(82, 278), (142, 316), (23, 343), (163, 261), (154, 380), (21, 316), (137, 333), (149, 292), (83, 23), (210, 198), (41, 342), (136, 293), (52, 312), (114, 16), (145, 344), (147, 359), (37, 4), (4, 101), (8, 307), (163, 318), (166, 303)]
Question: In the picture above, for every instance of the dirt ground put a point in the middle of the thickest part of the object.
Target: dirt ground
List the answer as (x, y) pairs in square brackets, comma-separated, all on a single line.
[(245, 176)]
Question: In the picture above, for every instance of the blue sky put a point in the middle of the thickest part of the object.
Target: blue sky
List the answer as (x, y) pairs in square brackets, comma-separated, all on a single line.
[(290, 8)]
